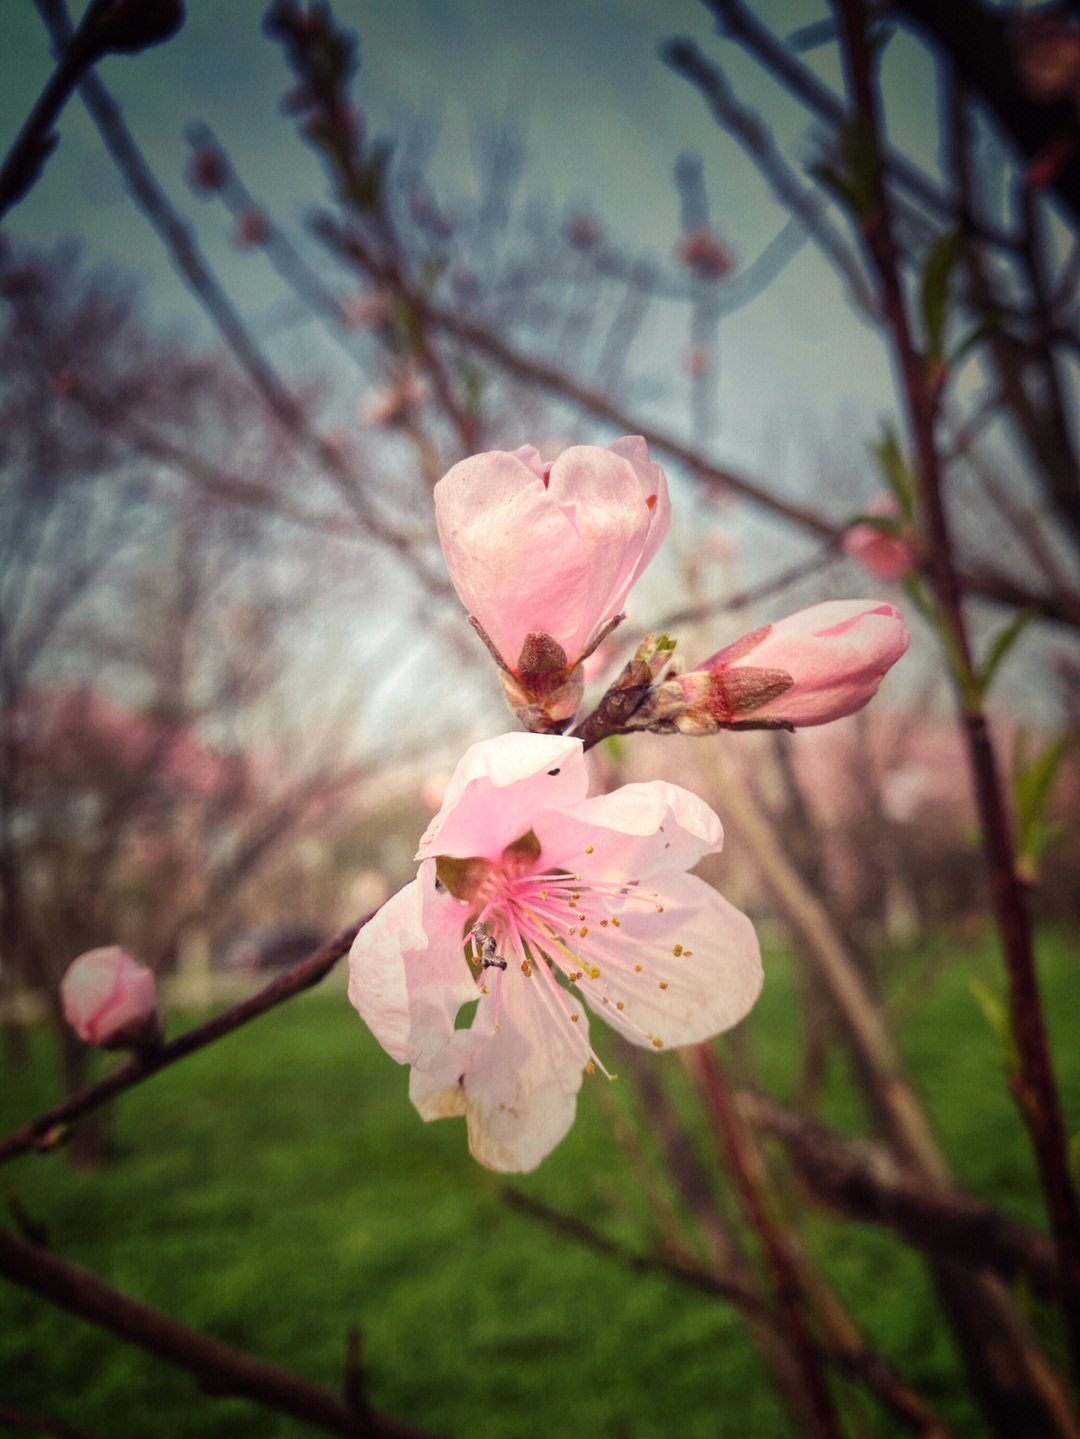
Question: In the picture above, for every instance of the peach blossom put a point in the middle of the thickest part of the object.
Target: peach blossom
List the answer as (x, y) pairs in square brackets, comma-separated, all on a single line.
[(550, 551), (524, 878)]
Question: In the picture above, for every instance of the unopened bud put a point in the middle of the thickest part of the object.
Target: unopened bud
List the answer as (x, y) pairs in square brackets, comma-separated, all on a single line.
[(109, 999)]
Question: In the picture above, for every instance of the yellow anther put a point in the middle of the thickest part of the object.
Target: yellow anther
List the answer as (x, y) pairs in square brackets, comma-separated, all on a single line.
[(588, 849), (619, 1004), (590, 1068), (615, 922), (658, 1044), (593, 971), (584, 931), (526, 968), (637, 968), (677, 950), (663, 984), (574, 1019)]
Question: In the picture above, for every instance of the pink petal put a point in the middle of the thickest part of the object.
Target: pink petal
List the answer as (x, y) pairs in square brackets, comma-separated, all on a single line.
[(517, 1085), (631, 833), (653, 482), (836, 654), (107, 995), (556, 557), (498, 787), (675, 998), (408, 975)]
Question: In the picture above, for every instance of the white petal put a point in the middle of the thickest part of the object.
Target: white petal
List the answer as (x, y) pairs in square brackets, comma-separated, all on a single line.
[(516, 1085), (630, 834), (674, 998), (408, 975)]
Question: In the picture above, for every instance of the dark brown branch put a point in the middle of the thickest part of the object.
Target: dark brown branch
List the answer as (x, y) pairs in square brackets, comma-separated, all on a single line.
[(863, 1180), (733, 1149), (734, 19), (1034, 1083), (40, 1424), (105, 26), (977, 41), (307, 972), (219, 1368), (729, 1287)]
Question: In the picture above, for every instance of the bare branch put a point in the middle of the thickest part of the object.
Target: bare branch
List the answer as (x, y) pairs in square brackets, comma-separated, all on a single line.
[(220, 1369)]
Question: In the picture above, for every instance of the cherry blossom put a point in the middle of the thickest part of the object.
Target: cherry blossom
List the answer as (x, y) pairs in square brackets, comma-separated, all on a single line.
[(884, 555), (110, 999), (534, 900), (544, 555), (811, 668)]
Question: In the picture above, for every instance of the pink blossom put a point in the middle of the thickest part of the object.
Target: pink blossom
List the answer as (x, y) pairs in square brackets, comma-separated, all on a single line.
[(524, 878), (548, 552), (110, 999), (885, 556), (813, 667), (701, 249)]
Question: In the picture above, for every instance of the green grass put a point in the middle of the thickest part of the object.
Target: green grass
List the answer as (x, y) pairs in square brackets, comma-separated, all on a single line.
[(278, 1188)]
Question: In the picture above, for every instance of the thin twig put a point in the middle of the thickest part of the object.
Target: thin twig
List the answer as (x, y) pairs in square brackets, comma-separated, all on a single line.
[(220, 1369), (40, 1132), (733, 1148)]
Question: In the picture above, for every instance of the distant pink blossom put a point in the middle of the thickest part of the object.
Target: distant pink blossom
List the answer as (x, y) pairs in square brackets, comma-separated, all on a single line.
[(110, 999), (522, 876), (251, 228), (813, 667), (207, 170), (701, 249), (883, 555), (550, 550)]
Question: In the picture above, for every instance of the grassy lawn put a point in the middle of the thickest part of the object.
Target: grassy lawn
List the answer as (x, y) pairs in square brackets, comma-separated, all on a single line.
[(278, 1188)]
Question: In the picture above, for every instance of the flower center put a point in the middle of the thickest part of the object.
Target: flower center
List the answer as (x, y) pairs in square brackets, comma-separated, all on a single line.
[(530, 924)]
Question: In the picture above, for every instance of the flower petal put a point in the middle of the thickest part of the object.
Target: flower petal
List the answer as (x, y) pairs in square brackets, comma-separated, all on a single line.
[(408, 976), (516, 1084), (683, 964), (631, 833), (497, 789)]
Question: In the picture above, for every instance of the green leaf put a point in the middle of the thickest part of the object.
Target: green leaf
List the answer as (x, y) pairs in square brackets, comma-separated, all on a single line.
[(1000, 646), (989, 326), (934, 295), (895, 470), (996, 1013)]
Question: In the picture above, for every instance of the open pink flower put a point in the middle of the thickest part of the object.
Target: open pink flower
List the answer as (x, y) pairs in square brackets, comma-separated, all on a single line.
[(525, 881), (885, 556), (813, 667), (109, 998), (546, 553)]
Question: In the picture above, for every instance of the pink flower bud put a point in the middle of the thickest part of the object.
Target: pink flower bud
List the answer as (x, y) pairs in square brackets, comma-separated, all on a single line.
[(207, 171), (250, 228), (109, 999), (885, 556), (702, 250), (813, 667), (544, 555)]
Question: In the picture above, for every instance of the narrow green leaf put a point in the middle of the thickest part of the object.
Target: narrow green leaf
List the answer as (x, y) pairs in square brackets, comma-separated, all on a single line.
[(1000, 646), (934, 295)]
